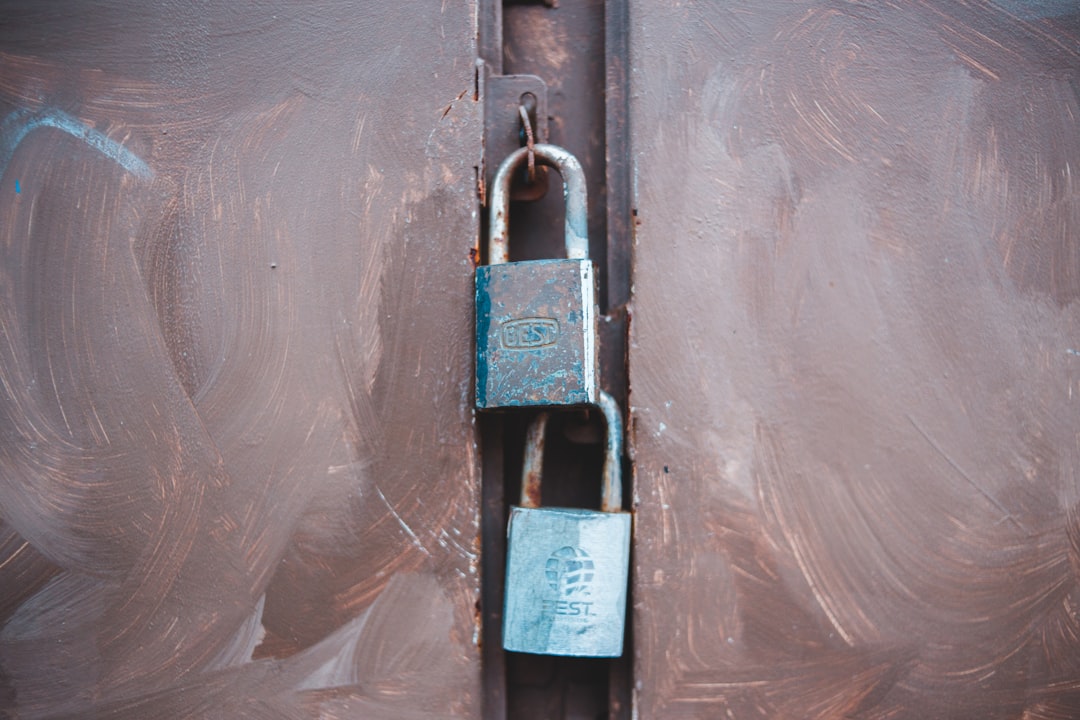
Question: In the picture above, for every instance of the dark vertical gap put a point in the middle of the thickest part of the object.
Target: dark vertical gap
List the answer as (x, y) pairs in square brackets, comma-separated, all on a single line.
[(489, 42), (492, 566), (489, 34), (620, 227), (617, 146)]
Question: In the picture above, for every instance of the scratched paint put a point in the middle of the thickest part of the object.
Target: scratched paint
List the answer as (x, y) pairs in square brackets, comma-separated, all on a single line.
[(854, 407), (228, 488)]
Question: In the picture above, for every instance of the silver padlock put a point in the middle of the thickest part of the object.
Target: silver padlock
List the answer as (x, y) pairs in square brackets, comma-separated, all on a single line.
[(567, 568), (536, 320)]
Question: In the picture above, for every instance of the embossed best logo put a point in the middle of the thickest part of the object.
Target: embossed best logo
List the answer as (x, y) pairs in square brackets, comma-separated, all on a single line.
[(529, 333)]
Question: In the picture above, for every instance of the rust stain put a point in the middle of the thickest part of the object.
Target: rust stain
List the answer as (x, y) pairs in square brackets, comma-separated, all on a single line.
[(533, 463), (530, 491)]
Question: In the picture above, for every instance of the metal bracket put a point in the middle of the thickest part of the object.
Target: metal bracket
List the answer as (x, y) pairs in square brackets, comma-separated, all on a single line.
[(503, 134)]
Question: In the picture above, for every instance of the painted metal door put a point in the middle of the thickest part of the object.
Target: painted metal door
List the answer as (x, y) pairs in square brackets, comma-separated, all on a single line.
[(237, 456), (853, 361), (239, 475)]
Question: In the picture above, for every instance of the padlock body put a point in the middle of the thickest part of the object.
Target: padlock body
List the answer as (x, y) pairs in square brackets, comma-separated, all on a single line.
[(566, 577), (536, 334)]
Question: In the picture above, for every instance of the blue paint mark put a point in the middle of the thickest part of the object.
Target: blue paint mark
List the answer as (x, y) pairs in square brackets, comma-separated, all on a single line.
[(483, 329), (17, 191), (21, 123), (1037, 9)]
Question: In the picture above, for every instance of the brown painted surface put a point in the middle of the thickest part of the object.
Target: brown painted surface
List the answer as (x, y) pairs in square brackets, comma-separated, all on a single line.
[(854, 363), (237, 465)]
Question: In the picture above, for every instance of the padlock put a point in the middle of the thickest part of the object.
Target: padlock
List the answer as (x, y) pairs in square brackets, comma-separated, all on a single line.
[(536, 320), (567, 568)]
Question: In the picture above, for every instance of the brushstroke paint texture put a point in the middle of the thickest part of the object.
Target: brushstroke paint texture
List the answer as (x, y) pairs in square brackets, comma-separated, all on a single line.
[(230, 490), (19, 124), (855, 417)]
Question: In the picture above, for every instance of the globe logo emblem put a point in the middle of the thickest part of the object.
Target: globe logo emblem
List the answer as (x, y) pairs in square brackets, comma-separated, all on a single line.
[(569, 571)]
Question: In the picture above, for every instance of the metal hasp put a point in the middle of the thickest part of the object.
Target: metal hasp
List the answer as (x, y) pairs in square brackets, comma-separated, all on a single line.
[(504, 96), (567, 568), (536, 320)]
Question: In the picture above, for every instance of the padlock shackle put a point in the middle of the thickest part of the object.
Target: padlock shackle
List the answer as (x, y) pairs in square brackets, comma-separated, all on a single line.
[(611, 491), (533, 464), (574, 196)]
